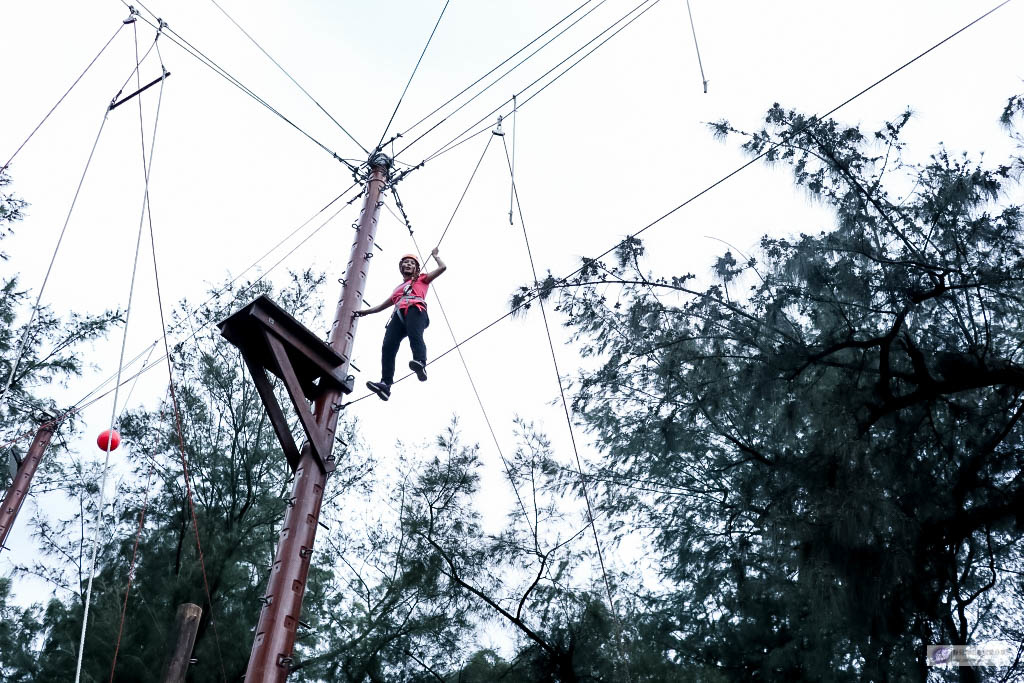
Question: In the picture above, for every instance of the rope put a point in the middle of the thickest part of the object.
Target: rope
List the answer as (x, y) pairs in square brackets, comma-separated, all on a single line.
[(177, 418), (506, 61), (113, 412), (471, 176), (192, 510), (131, 570), (831, 111), (697, 47), (490, 115), (46, 278), (568, 418), (476, 393), (413, 74), (190, 49), (495, 81), (49, 269), (88, 399), (68, 92), (297, 84)]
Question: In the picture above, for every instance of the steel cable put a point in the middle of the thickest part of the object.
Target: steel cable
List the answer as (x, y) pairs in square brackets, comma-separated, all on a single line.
[(68, 92), (499, 78), (285, 72), (413, 74)]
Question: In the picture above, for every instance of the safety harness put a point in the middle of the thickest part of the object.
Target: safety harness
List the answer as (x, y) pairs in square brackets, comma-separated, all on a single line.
[(408, 298)]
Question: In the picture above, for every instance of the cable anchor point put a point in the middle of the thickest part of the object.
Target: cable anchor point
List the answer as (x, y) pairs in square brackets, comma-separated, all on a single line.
[(380, 159)]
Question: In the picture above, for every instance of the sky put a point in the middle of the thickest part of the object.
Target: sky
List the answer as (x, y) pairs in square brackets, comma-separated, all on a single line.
[(612, 145)]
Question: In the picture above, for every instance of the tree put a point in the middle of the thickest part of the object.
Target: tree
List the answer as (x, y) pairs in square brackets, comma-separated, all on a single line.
[(239, 481), (827, 438), (40, 350), (18, 628), (532, 577)]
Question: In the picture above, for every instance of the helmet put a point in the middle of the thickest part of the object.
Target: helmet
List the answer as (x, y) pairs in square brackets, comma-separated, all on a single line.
[(414, 257)]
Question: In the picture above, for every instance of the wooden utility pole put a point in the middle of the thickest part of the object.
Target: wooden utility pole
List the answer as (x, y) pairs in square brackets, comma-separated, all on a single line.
[(18, 490), (186, 624), (312, 372)]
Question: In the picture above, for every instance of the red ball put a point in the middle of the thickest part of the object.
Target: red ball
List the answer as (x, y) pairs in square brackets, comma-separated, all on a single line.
[(111, 436)]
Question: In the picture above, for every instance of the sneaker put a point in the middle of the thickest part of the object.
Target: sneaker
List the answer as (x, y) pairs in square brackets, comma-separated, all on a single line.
[(382, 389), (420, 369)]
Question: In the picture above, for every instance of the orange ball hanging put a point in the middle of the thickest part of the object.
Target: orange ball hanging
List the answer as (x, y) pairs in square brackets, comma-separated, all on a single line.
[(111, 436)]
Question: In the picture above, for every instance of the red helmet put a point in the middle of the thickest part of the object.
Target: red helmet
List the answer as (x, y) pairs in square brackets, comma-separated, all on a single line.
[(414, 257)]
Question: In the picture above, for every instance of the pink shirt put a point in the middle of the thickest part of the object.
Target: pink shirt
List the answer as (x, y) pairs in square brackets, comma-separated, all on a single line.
[(416, 295)]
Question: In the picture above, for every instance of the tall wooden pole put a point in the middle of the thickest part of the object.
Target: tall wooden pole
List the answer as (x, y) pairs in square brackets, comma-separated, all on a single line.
[(18, 490), (186, 624), (272, 647)]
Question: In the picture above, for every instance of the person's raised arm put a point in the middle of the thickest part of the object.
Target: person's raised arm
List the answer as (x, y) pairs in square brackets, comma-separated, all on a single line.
[(441, 267), (386, 304)]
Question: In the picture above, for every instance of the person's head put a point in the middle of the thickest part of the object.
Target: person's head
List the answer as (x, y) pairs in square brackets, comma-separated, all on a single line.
[(409, 266)]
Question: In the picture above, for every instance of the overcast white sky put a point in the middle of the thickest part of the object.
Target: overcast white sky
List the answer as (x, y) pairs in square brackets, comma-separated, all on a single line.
[(612, 145)]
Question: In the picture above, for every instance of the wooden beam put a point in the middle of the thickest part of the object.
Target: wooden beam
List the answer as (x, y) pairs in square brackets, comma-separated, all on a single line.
[(314, 433), (274, 412)]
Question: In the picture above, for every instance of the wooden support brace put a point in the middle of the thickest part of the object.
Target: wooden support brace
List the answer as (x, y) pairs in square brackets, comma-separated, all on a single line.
[(272, 341)]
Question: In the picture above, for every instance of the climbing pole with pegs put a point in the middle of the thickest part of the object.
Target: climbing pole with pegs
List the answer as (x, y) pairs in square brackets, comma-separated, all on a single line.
[(314, 373)]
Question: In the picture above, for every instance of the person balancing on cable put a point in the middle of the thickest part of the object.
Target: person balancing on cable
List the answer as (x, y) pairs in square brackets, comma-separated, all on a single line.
[(408, 319)]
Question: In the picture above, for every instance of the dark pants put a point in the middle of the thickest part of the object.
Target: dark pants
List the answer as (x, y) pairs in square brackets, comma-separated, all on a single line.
[(398, 329)]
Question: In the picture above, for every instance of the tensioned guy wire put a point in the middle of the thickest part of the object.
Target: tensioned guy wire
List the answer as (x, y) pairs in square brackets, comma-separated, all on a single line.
[(68, 92), (503, 63), (512, 185), (502, 76), (193, 51), (285, 72), (414, 69), (49, 269), (455, 142)]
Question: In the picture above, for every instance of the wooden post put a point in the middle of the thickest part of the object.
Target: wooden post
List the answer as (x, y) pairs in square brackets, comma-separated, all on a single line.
[(186, 623)]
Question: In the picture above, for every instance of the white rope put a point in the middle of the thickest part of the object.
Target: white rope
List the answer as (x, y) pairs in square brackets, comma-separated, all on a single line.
[(117, 385)]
